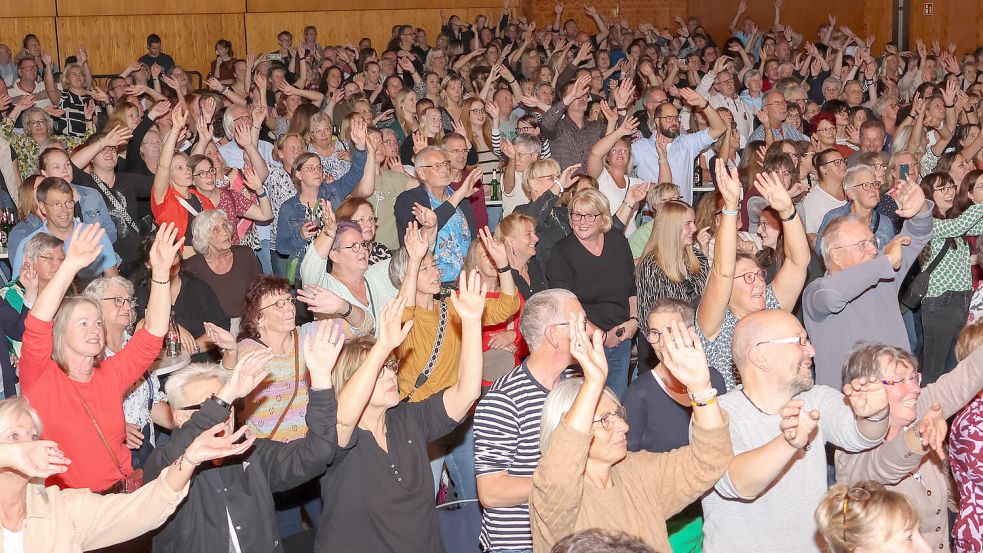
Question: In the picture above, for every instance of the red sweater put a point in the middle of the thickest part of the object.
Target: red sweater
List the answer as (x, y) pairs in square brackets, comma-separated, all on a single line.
[(65, 419)]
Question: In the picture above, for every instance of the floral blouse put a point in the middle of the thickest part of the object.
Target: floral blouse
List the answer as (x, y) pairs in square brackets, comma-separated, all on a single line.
[(280, 188), (28, 150)]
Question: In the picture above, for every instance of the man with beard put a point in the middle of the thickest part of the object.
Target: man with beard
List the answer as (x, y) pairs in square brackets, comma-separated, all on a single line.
[(857, 299), (683, 149), (779, 424)]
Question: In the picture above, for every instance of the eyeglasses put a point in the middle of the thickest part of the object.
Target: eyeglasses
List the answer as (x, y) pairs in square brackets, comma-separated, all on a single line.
[(656, 335), (358, 246), (153, 143), (457, 151), (51, 259), (440, 165), (944, 188), (588, 217), (391, 365), (211, 172), (868, 186), (318, 169), (620, 151), (242, 118), (861, 245), (781, 103), (37, 123), (478, 110), (670, 118), (321, 132), (915, 378), (67, 204), (856, 494), (607, 419), (839, 161), (120, 301), (751, 276), (366, 221), (391, 142), (525, 129), (800, 340), (280, 303)]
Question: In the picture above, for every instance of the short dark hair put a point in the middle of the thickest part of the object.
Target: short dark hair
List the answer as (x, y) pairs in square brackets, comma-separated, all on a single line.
[(595, 540), (48, 184), (153, 38)]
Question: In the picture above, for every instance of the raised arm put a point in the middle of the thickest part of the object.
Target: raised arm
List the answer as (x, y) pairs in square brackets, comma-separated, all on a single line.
[(162, 178), (791, 276), (82, 157), (741, 8), (710, 314), (469, 302), (595, 159), (85, 247), (162, 253), (417, 247)]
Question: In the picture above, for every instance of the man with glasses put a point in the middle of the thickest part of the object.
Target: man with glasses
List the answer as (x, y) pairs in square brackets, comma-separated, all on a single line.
[(857, 299), (683, 148), (506, 421), (774, 121), (724, 95), (44, 91), (863, 194), (456, 148), (779, 424), (455, 225), (56, 203), (652, 98)]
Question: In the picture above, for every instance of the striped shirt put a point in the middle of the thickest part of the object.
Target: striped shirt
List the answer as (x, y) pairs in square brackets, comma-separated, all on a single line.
[(506, 439)]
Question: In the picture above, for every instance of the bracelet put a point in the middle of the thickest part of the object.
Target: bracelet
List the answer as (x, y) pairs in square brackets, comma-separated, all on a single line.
[(222, 403), (703, 404), (262, 194), (726, 211), (790, 217), (349, 312), (155, 281), (226, 90), (505, 269), (630, 206), (703, 397), (185, 457), (882, 418)]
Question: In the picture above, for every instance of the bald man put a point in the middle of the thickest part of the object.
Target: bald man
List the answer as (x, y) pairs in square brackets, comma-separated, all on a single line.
[(780, 423)]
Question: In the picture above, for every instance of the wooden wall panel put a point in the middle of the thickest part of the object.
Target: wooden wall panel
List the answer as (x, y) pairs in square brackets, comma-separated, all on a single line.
[(13, 29), (657, 12), (29, 8), (72, 8), (262, 6), (340, 27), (189, 39), (954, 20)]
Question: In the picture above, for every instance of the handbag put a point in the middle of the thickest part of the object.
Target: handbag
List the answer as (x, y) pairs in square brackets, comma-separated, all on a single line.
[(913, 294), (428, 368), (286, 409), (128, 483)]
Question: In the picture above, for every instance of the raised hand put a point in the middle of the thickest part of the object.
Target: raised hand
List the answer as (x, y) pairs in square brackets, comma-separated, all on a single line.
[(629, 126), (419, 142), (36, 459), (321, 300), (164, 250), (568, 177), (580, 87), (321, 350), (85, 247), (692, 98), (495, 248), (220, 337), (624, 93), (216, 443), (909, 197), (771, 188), (249, 371), (416, 245), (685, 358), (392, 330), (214, 84), (329, 223), (867, 396), (895, 250), (158, 110), (358, 132), (179, 116), (728, 184), (244, 134), (588, 351), (117, 136), (425, 216), (798, 425), (932, 429), (469, 300), (637, 192)]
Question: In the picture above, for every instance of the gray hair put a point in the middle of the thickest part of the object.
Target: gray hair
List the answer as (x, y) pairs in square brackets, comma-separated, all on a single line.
[(424, 152), (195, 372), (13, 406), (47, 118), (850, 179), (558, 402), (229, 120), (202, 227), (833, 81), (97, 287), (541, 310), (750, 74), (862, 361), (40, 243), (397, 266), (529, 144), (832, 232)]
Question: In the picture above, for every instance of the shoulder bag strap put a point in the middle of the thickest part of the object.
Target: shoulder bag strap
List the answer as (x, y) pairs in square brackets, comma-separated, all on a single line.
[(102, 436), (938, 257), (283, 415), (428, 368)]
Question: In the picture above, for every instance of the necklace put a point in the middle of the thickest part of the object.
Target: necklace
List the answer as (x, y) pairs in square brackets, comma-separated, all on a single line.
[(755, 406)]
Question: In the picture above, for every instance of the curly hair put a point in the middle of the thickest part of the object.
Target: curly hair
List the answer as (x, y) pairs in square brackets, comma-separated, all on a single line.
[(260, 287)]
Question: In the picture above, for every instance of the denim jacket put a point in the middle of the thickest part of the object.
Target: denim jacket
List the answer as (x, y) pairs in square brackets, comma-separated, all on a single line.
[(293, 214)]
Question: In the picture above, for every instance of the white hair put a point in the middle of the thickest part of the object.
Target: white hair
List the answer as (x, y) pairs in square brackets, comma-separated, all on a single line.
[(542, 310), (195, 372), (558, 402)]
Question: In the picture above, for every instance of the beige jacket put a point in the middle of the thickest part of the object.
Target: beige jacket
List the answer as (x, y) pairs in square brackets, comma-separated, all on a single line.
[(73, 521)]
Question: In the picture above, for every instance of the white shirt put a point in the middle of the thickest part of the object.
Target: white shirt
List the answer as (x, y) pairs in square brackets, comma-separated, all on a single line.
[(616, 196), (13, 542), (41, 99), (516, 198), (815, 206)]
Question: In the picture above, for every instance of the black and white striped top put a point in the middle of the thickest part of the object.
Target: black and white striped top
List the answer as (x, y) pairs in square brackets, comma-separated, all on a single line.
[(506, 438)]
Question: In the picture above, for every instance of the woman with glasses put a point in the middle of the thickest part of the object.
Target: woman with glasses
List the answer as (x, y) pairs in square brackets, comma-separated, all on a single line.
[(280, 187), (610, 162), (242, 207), (478, 132), (594, 262), (335, 159), (737, 285), (144, 404), (659, 409), (39, 131), (587, 478), (945, 307), (543, 183), (866, 517), (827, 195), (912, 459)]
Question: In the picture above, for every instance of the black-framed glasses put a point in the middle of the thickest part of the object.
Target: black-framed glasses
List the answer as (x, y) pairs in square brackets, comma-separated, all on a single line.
[(862, 245), (656, 335), (358, 246), (588, 217), (868, 186), (782, 103), (751, 276), (120, 301), (280, 303), (944, 188), (802, 341), (607, 420), (915, 378), (212, 172), (855, 494), (478, 110), (839, 161), (391, 365), (670, 118)]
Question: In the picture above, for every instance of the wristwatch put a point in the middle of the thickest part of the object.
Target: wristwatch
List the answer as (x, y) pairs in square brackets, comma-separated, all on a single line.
[(505, 269)]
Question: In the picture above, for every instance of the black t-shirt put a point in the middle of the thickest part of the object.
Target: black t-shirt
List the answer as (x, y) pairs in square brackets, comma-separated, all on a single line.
[(378, 501), (163, 60), (602, 283), (124, 195), (195, 305)]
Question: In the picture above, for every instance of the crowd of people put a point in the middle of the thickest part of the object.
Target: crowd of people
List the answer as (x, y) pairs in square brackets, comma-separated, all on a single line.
[(514, 287)]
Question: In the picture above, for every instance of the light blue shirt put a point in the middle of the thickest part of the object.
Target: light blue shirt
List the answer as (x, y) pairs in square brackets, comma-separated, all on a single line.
[(107, 258), (681, 153), (95, 210), (787, 132), (881, 226)]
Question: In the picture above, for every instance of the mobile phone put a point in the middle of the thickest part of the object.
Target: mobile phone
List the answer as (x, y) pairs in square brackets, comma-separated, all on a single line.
[(275, 57), (903, 171)]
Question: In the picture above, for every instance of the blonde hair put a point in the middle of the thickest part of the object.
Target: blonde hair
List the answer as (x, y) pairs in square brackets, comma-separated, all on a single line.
[(657, 192), (675, 259), (351, 357), (596, 201), (62, 320), (537, 169), (404, 119), (17, 405), (970, 338), (66, 70), (847, 523), (513, 224)]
